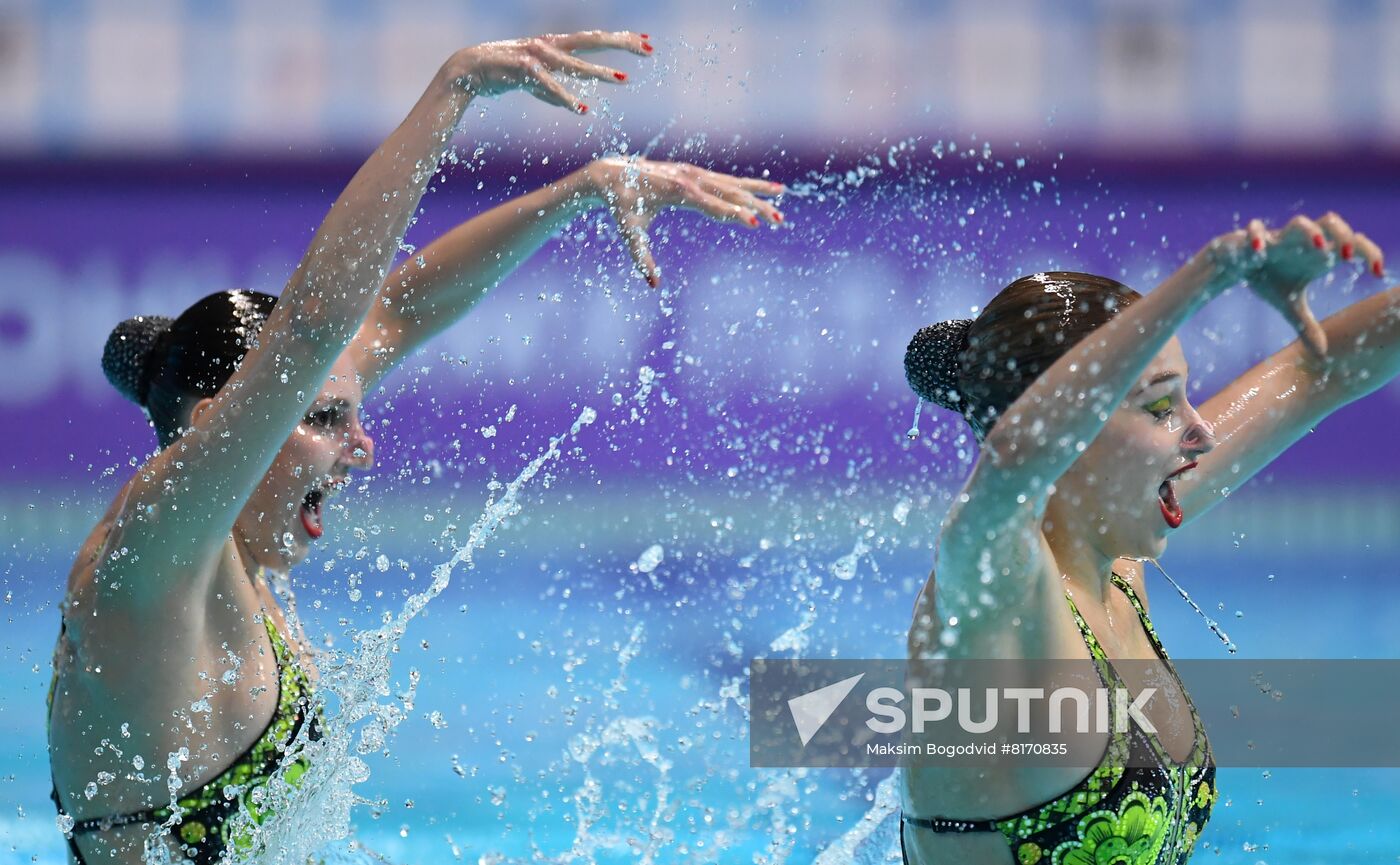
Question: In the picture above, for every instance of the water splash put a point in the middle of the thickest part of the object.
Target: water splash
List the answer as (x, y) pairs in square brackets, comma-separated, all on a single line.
[(875, 836), (650, 558), (315, 811), (846, 567), (1212, 623), (627, 740)]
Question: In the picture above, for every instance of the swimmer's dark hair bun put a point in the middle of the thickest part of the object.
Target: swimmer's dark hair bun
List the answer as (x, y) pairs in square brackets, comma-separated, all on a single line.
[(931, 362), (127, 354)]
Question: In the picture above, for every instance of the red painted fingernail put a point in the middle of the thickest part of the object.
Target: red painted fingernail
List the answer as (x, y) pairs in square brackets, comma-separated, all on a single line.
[(1258, 244), (582, 109), (1346, 251), (778, 216), (620, 76), (1376, 268), (653, 281), (753, 220), (646, 46), (1318, 241), (644, 36)]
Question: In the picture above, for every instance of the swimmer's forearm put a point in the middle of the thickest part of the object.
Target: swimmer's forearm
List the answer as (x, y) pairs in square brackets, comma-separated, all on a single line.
[(1364, 345), (336, 281), (1042, 432), (435, 288)]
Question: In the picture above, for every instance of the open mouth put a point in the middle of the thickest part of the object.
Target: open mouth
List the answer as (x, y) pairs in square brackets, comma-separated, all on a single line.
[(1171, 508), (311, 513), (1166, 498)]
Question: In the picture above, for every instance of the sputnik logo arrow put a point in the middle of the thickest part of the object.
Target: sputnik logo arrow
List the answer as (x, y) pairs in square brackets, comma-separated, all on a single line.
[(811, 710)]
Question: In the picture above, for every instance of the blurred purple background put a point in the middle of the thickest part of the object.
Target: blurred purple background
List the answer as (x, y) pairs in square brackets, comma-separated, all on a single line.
[(841, 287), (154, 152)]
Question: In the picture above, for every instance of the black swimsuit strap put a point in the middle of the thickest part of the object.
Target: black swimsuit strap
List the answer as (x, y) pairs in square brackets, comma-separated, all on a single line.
[(1127, 589), (116, 821), (942, 824)]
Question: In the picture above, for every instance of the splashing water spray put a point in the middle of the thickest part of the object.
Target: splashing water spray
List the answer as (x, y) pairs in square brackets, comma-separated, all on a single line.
[(1212, 623), (313, 808)]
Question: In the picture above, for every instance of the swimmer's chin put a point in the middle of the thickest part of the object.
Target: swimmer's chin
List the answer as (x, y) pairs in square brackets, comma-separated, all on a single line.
[(1155, 548), (1151, 547)]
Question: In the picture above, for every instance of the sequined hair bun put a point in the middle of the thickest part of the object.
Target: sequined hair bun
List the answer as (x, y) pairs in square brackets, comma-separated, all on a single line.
[(127, 355), (931, 363)]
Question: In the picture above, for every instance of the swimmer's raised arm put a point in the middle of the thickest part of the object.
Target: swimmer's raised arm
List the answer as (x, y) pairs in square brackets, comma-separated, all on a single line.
[(994, 524), (1268, 408), (182, 504), (436, 287)]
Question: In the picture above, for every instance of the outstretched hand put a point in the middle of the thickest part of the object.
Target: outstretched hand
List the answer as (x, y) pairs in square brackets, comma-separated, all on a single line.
[(535, 64), (1279, 265), (636, 189)]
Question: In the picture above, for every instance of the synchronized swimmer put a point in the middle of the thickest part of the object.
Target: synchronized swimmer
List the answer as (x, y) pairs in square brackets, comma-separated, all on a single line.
[(188, 546), (1091, 458)]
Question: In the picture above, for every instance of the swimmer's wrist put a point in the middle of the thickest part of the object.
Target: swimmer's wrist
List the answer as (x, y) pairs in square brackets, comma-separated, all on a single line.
[(589, 185), (1224, 263), (460, 73)]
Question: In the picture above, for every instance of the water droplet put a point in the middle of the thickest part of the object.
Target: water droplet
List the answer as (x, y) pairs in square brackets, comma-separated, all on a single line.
[(913, 432), (650, 558)]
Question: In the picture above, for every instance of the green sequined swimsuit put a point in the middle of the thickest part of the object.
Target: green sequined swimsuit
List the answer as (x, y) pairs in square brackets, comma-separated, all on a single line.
[(205, 830), (1137, 807)]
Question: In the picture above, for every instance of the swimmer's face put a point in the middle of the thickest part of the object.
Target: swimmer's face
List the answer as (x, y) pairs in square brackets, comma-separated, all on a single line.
[(1116, 484), (290, 506)]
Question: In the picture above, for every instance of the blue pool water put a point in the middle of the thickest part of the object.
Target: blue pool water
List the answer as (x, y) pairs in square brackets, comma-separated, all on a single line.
[(556, 669)]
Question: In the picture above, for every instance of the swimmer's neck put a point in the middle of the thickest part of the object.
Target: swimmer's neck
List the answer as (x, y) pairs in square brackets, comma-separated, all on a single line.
[(257, 573), (1085, 569)]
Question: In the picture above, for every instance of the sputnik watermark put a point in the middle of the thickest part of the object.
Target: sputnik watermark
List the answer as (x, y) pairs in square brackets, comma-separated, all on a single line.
[(932, 706), (835, 712), (884, 704)]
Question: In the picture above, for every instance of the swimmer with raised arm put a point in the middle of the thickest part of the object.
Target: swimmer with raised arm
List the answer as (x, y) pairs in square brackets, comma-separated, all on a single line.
[(256, 400), (1091, 458)]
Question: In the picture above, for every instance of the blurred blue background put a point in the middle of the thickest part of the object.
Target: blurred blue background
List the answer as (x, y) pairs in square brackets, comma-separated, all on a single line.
[(153, 152)]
